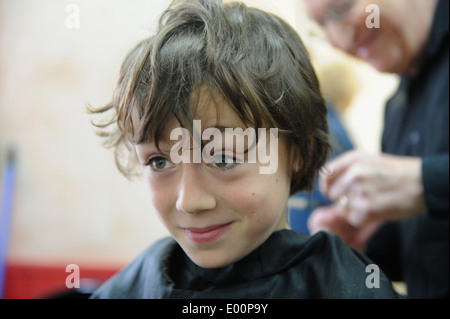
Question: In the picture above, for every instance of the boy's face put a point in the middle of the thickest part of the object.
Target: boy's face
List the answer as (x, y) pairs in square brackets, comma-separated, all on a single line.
[(218, 212)]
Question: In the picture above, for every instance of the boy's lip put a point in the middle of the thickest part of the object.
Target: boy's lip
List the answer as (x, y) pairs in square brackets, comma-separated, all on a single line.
[(205, 229), (206, 234)]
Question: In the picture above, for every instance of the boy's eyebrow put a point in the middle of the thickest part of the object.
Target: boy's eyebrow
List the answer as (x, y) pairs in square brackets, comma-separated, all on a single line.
[(222, 128), (136, 143)]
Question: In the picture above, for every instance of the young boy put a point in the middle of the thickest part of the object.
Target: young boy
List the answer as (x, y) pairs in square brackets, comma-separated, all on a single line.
[(222, 109)]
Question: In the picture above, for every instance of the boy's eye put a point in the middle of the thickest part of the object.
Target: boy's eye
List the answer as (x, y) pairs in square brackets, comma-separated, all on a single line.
[(159, 163), (223, 161)]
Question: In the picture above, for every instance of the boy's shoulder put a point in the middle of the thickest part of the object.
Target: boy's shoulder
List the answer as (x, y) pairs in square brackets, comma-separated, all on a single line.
[(343, 272), (320, 266), (144, 276)]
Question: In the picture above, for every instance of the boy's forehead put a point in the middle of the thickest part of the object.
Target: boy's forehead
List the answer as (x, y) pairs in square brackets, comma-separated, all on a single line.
[(212, 108)]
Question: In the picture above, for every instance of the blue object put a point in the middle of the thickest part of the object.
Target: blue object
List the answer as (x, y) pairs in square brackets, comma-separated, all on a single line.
[(302, 204), (9, 175)]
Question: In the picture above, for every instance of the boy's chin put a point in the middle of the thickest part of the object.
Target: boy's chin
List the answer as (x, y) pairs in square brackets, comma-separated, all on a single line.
[(211, 260)]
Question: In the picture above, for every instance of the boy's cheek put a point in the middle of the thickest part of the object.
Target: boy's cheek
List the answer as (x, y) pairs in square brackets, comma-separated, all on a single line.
[(162, 201), (255, 203)]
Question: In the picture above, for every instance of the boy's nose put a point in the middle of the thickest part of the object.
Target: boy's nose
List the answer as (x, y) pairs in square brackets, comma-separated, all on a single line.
[(194, 195)]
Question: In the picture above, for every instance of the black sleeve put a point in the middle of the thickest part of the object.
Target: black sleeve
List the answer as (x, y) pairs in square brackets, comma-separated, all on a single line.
[(384, 249), (435, 178)]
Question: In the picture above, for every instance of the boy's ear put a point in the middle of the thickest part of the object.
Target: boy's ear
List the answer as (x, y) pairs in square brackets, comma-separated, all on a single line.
[(296, 161), (297, 165)]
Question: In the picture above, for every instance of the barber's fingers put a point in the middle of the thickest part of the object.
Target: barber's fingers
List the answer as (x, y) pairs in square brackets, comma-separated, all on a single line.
[(358, 214), (366, 202), (353, 208), (351, 183), (336, 167)]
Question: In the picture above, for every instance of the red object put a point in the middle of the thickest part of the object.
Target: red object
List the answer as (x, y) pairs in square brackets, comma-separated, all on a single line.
[(42, 282)]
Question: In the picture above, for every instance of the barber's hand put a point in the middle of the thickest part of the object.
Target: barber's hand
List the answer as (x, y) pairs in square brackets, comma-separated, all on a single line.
[(332, 219), (374, 188)]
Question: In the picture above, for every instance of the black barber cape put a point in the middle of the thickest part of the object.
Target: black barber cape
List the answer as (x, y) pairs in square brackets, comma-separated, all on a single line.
[(287, 265), (416, 251)]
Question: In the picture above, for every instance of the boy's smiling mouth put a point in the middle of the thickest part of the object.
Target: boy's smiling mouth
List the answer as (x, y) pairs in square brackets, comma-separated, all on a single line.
[(207, 234)]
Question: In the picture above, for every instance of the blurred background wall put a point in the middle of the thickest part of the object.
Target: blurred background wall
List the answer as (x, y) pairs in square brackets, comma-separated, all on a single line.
[(70, 205)]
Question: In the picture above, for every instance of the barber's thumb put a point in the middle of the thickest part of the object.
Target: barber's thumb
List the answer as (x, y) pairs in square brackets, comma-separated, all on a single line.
[(356, 219)]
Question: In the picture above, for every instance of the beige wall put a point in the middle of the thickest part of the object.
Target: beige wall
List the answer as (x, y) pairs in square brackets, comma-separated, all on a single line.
[(71, 204)]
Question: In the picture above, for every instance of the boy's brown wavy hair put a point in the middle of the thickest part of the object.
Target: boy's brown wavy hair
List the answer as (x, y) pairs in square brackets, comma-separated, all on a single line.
[(253, 58)]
